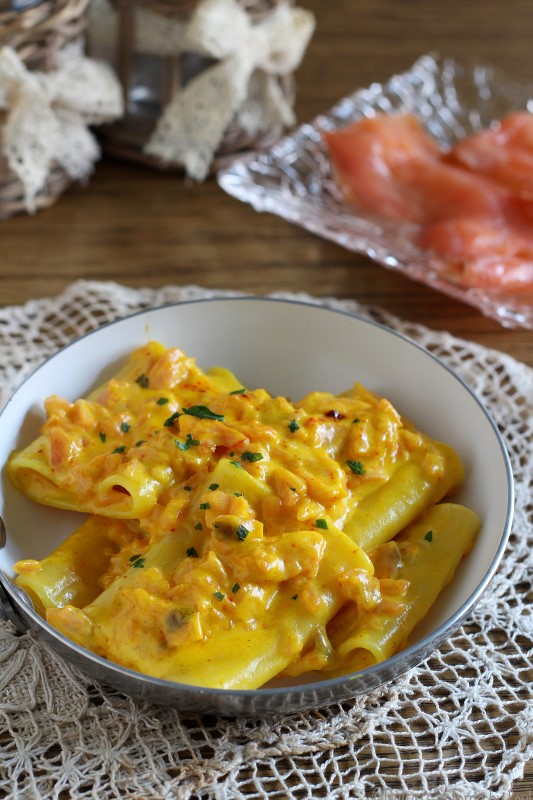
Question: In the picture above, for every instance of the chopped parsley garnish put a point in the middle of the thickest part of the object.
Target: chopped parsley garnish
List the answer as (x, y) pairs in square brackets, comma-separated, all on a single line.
[(294, 597), (169, 422), (321, 523), (355, 421), (356, 467), (121, 449), (203, 412), (232, 454), (187, 488), (198, 526), (238, 494), (242, 533), (429, 536), (192, 552), (239, 391), (235, 588), (143, 381), (102, 436), (125, 426), (139, 564), (236, 464), (218, 595), (189, 442), (292, 488), (205, 506), (140, 442), (162, 401), (248, 456), (135, 557), (213, 486), (293, 426)]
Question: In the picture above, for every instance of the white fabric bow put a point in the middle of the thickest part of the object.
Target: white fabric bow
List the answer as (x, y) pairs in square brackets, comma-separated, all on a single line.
[(48, 115), (242, 84)]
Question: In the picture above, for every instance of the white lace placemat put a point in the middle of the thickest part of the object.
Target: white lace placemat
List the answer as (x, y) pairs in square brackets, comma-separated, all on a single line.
[(460, 726)]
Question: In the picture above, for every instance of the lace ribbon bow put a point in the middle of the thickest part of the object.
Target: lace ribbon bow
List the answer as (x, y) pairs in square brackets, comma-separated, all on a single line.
[(242, 84), (48, 115)]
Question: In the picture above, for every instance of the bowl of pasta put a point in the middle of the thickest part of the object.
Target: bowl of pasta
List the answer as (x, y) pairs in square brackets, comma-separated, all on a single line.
[(247, 505)]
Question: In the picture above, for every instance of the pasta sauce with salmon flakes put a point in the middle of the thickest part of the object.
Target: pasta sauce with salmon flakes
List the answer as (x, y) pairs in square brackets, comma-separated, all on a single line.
[(232, 536)]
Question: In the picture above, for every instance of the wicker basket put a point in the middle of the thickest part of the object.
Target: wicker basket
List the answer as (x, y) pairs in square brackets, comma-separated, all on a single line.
[(37, 34), (126, 138)]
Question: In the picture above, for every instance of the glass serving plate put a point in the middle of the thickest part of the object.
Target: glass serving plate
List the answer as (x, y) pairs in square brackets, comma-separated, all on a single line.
[(294, 178)]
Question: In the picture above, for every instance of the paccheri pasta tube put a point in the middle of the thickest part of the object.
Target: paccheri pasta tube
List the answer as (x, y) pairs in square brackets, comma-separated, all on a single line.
[(234, 536)]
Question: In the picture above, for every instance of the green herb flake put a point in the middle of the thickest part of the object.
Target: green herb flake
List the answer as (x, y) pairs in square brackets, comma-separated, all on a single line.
[(239, 391), (125, 426), (143, 381), (203, 412), (139, 564), (355, 421), (103, 437), (140, 442), (429, 536), (356, 467), (248, 456), (187, 488), (232, 454), (169, 422), (321, 523), (121, 449), (293, 426), (236, 464), (189, 442), (135, 557), (192, 552), (213, 486), (205, 506), (235, 588), (238, 494), (198, 526), (219, 595), (292, 488), (162, 401), (241, 533), (294, 597)]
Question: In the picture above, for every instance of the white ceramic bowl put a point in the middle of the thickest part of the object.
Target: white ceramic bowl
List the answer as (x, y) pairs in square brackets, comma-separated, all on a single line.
[(288, 348)]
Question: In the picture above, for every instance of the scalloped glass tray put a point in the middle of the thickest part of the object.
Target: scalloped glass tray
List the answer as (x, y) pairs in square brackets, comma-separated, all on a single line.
[(293, 179)]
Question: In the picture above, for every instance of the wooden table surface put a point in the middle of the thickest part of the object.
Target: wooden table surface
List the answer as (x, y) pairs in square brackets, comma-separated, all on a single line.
[(144, 228)]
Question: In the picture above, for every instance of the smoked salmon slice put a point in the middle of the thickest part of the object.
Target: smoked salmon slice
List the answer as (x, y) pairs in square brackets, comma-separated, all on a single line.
[(375, 161), (389, 166), (482, 255), (471, 206), (503, 153)]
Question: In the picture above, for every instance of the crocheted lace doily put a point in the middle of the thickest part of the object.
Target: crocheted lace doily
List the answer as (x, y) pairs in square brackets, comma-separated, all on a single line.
[(459, 726)]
